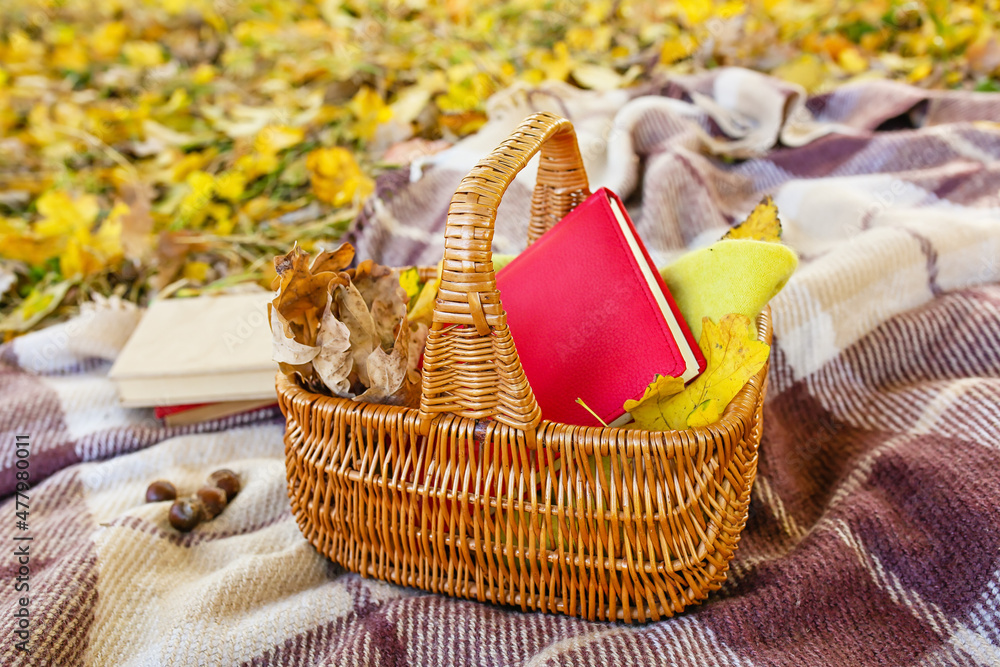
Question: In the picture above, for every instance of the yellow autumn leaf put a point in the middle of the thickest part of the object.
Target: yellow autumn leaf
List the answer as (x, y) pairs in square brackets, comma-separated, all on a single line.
[(106, 41), (65, 215), (196, 272), (552, 64), (852, 61), (256, 164), (464, 95), (410, 281), (646, 408), (194, 205), (143, 54), (423, 307), (597, 77), (596, 39), (696, 10), (410, 102), (231, 185), (676, 49), (921, 72), (77, 261), (20, 243), (336, 177), (807, 70), (220, 214), (369, 111), (183, 165), (71, 57), (276, 138), (733, 356), (203, 74), (107, 241), (761, 225), (39, 303)]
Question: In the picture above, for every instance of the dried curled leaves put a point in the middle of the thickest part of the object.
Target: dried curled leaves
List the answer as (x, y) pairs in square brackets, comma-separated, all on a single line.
[(345, 331), (304, 288)]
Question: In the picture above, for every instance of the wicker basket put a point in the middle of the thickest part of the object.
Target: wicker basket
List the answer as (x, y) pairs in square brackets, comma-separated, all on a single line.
[(473, 495)]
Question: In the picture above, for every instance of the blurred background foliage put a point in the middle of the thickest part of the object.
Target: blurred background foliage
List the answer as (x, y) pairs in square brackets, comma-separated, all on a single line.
[(174, 147)]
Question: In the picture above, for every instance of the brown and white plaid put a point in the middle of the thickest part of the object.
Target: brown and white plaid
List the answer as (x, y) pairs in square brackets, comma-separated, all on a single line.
[(874, 531)]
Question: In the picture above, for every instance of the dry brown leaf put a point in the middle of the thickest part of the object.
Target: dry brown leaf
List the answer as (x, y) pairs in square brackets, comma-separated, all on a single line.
[(390, 380), (284, 348), (386, 317), (137, 224), (302, 294), (418, 341), (359, 342), (354, 313), (333, 260), (385, 297), (334, 362)]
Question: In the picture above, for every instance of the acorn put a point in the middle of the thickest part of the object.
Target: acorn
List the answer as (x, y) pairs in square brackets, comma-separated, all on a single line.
[(186, 513), (226, 480), (213, 501), (160, 490)]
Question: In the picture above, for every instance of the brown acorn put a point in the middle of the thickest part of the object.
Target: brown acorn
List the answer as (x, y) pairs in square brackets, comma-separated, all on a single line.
[(226, 480), (160, 490), (186, 513), (213, 501)]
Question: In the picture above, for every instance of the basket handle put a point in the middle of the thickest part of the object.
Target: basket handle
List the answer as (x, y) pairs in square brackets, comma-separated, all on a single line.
[(471, 368)]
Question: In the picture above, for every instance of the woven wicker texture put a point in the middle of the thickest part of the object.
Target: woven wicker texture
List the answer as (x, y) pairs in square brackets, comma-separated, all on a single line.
[(470, 366), (474, 496)]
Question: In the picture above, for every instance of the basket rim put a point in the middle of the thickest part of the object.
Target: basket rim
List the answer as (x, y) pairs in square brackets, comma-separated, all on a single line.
[(735, 419)]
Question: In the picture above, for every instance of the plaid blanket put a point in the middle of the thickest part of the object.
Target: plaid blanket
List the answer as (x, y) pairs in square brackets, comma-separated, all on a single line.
[(874, 530)]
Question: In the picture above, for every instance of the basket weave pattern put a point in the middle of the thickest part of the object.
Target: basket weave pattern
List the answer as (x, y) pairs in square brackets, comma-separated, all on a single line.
[(474, 495)]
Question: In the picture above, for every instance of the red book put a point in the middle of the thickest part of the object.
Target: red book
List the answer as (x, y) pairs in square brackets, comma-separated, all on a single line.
[(161, 411), (195, 413), (591, 317)]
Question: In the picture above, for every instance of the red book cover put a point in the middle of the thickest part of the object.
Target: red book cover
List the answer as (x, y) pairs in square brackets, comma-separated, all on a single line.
[(193, 413), (590, 316), (162, 411)]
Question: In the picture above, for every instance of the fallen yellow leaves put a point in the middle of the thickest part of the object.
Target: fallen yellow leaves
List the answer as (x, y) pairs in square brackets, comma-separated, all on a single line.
[(369, 112), (41, 301), (336, 177), (65, 230), (233, 118)]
